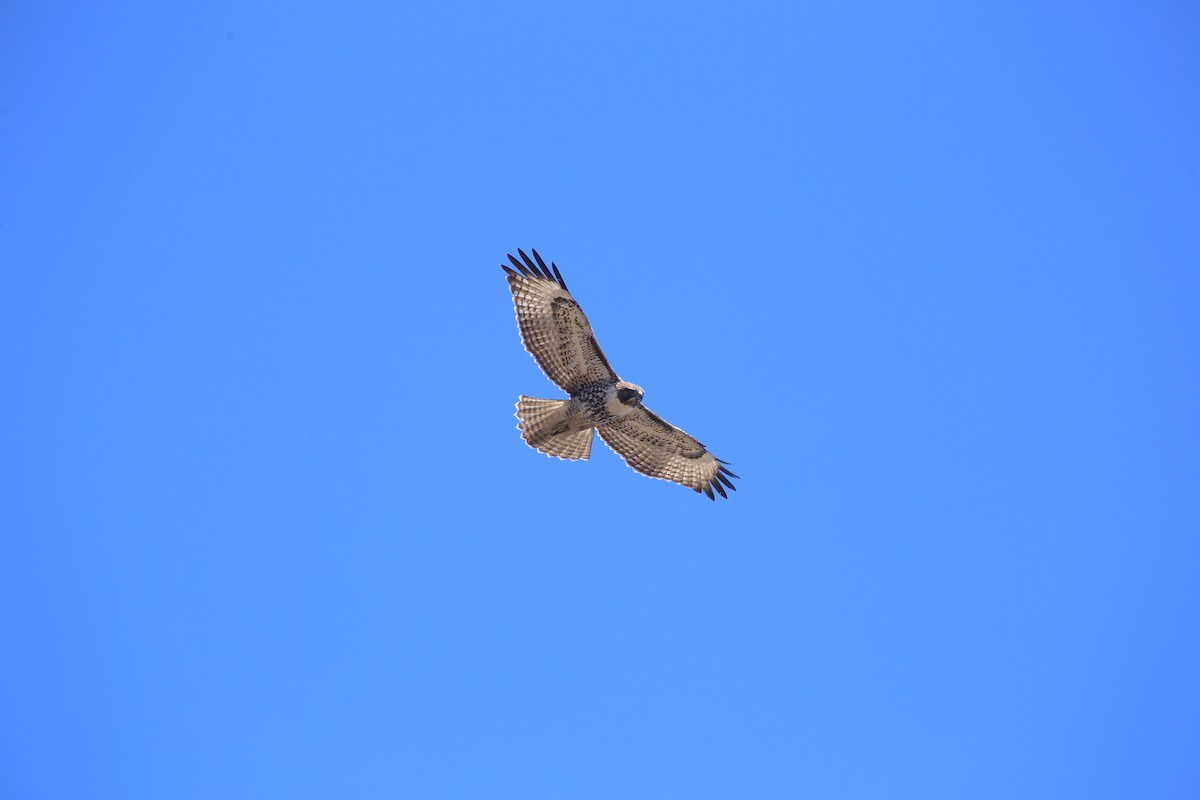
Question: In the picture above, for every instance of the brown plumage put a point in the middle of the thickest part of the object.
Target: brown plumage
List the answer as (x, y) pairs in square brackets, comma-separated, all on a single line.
[(559, 337)]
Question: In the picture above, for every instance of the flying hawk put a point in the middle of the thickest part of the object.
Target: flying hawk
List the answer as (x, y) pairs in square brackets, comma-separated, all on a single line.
[(557, 334)]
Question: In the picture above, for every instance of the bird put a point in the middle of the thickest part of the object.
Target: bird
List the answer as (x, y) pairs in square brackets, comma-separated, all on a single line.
[(558, 335)]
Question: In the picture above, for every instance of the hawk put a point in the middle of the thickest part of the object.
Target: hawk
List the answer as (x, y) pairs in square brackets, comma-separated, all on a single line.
[(557, 334)]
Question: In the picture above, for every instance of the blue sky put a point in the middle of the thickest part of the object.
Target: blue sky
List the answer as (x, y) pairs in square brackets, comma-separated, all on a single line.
[(926, 275)]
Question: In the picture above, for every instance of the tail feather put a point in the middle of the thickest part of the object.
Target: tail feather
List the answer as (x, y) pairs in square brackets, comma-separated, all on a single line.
[(543, 427)]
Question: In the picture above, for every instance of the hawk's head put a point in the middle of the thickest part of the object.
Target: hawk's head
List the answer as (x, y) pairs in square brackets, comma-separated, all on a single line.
[(629, 394)]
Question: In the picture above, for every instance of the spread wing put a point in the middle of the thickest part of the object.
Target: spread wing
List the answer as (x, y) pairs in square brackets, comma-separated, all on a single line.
[(654, 447), (555, 331)]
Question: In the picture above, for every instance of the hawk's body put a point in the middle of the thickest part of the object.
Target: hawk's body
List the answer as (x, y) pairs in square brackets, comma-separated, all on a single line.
[(558, 336)]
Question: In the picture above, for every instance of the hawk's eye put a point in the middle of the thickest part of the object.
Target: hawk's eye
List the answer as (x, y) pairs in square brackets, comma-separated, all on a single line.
[(626, 396)]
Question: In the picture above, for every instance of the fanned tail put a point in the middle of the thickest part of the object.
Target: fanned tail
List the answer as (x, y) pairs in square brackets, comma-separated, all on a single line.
[(543, 427)]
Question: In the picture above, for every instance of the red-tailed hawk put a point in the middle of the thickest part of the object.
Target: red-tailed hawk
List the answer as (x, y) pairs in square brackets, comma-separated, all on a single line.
[(557, 334)]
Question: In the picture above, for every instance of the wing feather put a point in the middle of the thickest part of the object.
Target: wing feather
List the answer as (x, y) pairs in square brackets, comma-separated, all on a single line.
[(654, 447), (553, 326)]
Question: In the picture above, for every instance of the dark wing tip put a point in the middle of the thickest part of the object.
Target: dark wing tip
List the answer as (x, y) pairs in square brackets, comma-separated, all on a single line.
[(537, 273), (542, 265), (720, 489), (539, 270), (508, 269), (727, 472), (708, 491), (521, 267), (721, 477)]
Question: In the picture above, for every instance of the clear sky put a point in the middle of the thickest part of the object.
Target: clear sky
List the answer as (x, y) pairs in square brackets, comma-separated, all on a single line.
[(927, 275)]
